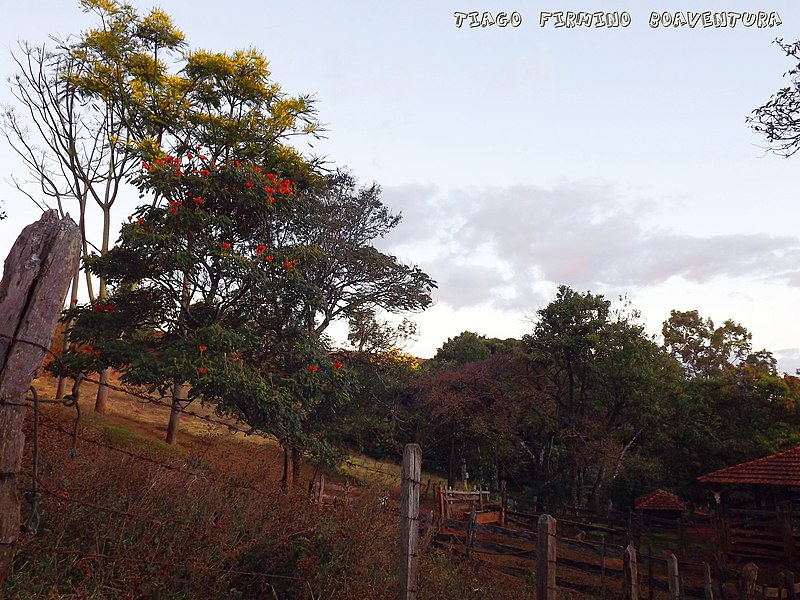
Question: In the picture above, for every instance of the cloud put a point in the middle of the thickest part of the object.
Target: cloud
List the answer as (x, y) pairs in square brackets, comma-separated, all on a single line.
[(495, 244), (788, 360)]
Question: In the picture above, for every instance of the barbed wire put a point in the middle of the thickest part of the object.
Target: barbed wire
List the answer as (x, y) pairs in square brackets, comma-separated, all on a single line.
[(368, 468), (194, 566), (56, 427), (127, 390), (131, 391)]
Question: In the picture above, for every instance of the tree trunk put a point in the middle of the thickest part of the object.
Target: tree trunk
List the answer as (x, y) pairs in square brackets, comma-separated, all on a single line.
[(102, 392), (73, 302), (179, 393), (287, 481), (297, 462), (37, 274)]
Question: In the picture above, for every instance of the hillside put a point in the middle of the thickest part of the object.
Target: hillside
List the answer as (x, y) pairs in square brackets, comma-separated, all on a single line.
[(129, 517)]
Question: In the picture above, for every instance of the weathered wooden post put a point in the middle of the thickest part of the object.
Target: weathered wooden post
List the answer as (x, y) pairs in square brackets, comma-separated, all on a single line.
[(546, 559), (503, 503), (603, 569), (673, 578), (321, 488), (747, 589), (631, 569), (473, 522), (707, 587), (409, 520), (36, 277), (787, 531)]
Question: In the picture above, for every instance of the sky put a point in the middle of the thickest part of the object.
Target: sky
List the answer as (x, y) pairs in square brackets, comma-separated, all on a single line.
[(612, 160)]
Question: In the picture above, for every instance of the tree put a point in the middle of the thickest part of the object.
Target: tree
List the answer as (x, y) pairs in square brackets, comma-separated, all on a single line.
[(702, 348), (732, 406), (464, 348), (341, 222), (203, 292), (473, 414), (76, 140), (779, 118), (601, 375)]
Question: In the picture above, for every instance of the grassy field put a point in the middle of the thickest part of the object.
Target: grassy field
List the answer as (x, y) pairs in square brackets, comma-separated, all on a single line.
[(129, 516)]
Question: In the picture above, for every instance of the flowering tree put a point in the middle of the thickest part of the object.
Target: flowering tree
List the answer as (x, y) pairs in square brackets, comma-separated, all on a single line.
[(92, 105), (205, 290)]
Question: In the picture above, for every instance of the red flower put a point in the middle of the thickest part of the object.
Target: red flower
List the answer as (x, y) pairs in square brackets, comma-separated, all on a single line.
[(197, 200), (178, 172), (260, 249), (249, 184), (88, 349), (269, 257), (174, 211), (110, 307), (205, 172), (145, 166), (189, 155), (257, 169), (270, 175), (130, 217), (201, 156), (174, 202), (202, 371), (313, 368), (203, 348), (269, 190), (98, 307), (224, 245), (337, 365), (238, 164), (288, 265)]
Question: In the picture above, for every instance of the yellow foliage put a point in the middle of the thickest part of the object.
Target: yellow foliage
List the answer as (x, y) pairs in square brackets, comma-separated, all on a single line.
[(395, 355)]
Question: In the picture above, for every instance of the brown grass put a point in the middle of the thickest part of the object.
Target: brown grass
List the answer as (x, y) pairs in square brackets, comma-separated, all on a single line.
[(131, 517)]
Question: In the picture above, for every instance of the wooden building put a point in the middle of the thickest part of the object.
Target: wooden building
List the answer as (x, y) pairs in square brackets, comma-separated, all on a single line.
[(772, 479)]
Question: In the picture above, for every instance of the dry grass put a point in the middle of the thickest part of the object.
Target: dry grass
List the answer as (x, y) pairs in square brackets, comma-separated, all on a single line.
[(131, 517)]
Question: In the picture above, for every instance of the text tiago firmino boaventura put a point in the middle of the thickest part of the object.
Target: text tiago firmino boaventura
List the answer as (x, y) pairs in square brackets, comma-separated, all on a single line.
[(570, 19)]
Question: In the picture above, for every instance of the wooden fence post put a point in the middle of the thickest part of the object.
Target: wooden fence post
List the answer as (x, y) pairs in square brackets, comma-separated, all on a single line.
[(603, 569), (631, 573), (787, 532), (673, 578), (36, 277), (546, 559), (321, 487), (707, 588), (473, 519), (748, 582), (409, 520), (503, 503)]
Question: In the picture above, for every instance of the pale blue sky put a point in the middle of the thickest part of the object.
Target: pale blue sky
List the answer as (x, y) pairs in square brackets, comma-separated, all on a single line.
[(612, 160)]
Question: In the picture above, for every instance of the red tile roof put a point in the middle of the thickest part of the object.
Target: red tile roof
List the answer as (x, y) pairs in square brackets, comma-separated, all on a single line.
[(659, 500), (782, 468)]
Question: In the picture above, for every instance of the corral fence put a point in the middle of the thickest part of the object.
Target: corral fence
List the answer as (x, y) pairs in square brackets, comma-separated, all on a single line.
[(730, 554)]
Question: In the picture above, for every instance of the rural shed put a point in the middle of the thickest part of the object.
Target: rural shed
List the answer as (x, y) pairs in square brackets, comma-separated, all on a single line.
[(660, 503), (777, 474)]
